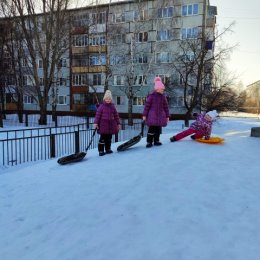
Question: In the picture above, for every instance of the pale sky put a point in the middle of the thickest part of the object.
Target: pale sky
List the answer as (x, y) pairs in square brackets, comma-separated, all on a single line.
[(245, 59)]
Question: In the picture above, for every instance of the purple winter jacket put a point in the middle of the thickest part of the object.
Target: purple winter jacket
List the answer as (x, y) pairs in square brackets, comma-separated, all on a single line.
[(156, 110), (107, 119), (202, 126)]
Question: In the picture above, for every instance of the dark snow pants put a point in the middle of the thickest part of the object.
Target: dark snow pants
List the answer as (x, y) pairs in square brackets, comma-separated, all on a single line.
[(153, 134)]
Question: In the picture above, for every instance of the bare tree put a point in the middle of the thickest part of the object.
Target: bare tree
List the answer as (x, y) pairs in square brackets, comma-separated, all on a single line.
[(225, 93), (45, 29), (2, 73), (195, 59), (15, 60)]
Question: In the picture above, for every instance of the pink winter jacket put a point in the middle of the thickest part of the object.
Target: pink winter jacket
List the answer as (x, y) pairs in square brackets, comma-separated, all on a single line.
[(107, 119)]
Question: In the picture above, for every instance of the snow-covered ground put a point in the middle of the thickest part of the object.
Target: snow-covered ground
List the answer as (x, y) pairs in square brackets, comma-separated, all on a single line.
[(184, 200)]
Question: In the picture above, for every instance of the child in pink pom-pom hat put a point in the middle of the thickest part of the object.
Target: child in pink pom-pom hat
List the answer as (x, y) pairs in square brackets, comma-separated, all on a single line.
[(158, 85), (156, 113)]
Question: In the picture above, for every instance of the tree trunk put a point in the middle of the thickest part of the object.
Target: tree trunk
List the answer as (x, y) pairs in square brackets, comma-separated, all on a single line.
[(54, 116), (187, 119), (130, 111), (20, 110), (43, 116), (1, 120), (1, 114)]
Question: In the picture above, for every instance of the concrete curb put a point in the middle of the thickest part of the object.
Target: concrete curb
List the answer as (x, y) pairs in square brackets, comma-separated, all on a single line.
[(255, 131)]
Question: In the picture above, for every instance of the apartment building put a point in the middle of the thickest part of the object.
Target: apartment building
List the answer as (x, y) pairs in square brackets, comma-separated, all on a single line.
[(123, 45), (252, 102)]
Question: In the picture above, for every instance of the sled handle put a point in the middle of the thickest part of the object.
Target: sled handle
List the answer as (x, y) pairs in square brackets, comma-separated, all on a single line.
[(91, 139), (142, 128)]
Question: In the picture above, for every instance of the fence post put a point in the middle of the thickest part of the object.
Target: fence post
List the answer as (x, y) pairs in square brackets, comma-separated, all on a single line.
[(26, 119), (52, 145), (116, 138), (56, 120), (76, 141), (123, 124)]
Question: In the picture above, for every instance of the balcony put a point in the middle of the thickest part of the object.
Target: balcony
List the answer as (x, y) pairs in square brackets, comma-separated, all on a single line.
[(89, 69)]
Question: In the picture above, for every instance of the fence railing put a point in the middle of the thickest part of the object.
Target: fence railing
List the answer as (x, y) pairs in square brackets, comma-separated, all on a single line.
[(27, 145)]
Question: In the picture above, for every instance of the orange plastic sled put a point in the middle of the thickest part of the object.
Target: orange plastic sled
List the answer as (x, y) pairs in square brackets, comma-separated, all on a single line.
[(211, 140)]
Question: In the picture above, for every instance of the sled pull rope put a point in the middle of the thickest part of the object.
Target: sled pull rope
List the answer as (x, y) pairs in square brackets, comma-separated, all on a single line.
[(91, 139)]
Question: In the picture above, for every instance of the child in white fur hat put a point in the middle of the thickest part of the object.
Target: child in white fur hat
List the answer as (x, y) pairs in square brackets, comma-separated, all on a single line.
[(200, 128), (107, 122)]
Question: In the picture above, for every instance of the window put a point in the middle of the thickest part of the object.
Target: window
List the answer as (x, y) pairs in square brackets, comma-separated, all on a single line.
[(61, 81), (97, 60), (141, 58), (188, 10), (99, 18), (80, 40), (118, 38), (117, 59), (119, 80), (81, 20), (85, 40), (10, 98), (164, 35), (79, 79), (40, 64), (140, 80), (163, 57), (97, 79), (165, 12), (97, 40), (62, 100), (192, 79), (165, 78), (24, 63), (102, 40), (188, 57), (80, 60), (28, 99), (178, 101), (63, 63), (118, 18), (139, 101), (141, 15), (79, 99), (189, 33), (141, 37), (120, 100), (27, 80), (41, 81)]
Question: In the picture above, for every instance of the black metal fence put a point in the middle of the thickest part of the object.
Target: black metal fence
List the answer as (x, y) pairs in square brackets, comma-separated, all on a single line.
[(27, 145)]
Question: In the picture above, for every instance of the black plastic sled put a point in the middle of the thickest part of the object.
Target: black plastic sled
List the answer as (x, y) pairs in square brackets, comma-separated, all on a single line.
[(132, 141), (76, 157)]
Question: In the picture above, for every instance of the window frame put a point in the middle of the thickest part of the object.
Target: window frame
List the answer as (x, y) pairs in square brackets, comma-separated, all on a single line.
[(165, 12), (190, 9)]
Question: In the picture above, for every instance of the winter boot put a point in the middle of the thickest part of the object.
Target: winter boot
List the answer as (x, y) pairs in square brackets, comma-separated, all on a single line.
[(148, 145), (173, 139), (101, 147), (108, 148), (149, 139), (156, 140), (193, 137)]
